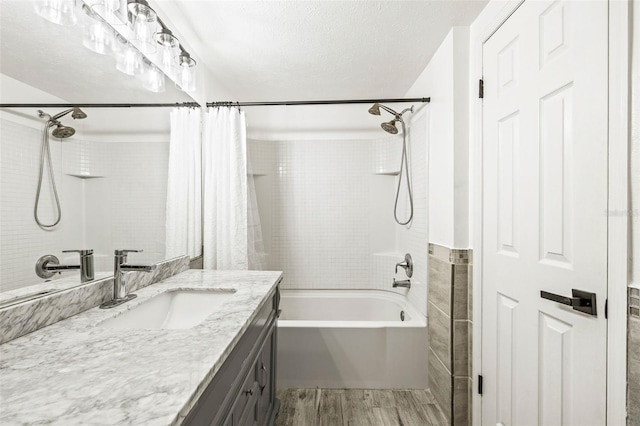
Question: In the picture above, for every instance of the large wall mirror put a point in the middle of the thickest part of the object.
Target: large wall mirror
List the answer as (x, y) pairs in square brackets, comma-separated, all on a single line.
[(110, 175)]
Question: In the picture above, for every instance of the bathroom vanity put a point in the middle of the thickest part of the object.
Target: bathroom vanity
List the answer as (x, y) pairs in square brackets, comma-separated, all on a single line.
[(243, 392), (123, 366)]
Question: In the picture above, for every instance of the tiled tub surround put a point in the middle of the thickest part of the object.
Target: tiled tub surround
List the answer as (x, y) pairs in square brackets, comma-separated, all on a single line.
[(26, 317), (91, 177), (326, 209), (450, 328), (75, 372)]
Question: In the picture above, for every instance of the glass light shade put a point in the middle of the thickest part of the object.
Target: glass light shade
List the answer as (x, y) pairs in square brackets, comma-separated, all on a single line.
[(152, 79), (61, 12), (186, 75), (168, 50), (106, 8), (144, 24), (129, 60), (98, 37)]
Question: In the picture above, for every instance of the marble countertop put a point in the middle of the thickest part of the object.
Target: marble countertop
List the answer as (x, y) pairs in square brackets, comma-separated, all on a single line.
[(76, 372)]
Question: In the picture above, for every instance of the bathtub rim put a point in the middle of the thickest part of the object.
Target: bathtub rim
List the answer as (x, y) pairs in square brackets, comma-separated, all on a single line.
[(418, 320)]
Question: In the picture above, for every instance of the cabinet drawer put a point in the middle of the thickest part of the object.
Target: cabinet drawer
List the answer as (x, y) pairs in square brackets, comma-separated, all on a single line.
[(244, 408)]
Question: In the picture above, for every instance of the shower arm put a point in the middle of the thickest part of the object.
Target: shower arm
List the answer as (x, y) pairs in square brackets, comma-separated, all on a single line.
[(61, 114), (389, 110), (398, 115)]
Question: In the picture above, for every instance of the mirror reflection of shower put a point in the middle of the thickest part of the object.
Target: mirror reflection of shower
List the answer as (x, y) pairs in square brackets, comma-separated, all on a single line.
[(390, 127), (62, 132)]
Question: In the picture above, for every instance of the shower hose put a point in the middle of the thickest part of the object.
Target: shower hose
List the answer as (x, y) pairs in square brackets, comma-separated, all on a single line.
[(45, 154)]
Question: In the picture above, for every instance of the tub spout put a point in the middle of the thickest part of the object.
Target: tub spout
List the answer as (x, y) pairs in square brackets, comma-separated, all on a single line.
[(402, 283)]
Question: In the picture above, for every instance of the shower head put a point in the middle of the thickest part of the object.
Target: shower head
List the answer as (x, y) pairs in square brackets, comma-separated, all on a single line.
[(390, 127), (76, 113), (375, 109), (62, 131)]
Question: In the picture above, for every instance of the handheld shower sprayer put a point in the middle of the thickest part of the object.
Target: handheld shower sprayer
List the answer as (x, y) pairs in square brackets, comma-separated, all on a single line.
[(390, 127), (61, 131)]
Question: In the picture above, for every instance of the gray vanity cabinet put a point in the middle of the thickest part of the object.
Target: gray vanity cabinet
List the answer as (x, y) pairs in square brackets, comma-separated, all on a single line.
[(243, 391)]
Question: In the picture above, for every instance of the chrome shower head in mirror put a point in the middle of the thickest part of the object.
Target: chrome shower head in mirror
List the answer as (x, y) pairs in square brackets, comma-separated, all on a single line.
[(78, 114), (390, 127), (62, 132)]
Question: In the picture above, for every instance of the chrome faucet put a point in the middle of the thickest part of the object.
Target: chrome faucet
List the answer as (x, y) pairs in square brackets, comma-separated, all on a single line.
[(120, 266), (402, 283), (407, 265), (48, 265)]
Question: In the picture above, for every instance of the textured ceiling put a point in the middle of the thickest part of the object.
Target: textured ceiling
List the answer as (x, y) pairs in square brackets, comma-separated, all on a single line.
[(289, 50)]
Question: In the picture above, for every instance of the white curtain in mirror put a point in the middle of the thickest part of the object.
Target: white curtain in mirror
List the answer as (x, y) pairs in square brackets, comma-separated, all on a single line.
[(232, 236), (184, 184)]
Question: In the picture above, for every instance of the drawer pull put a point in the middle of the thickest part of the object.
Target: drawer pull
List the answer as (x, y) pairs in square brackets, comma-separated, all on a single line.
[(249, 392)]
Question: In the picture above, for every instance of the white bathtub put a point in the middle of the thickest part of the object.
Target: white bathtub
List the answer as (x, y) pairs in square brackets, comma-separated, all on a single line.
[(350, 339)]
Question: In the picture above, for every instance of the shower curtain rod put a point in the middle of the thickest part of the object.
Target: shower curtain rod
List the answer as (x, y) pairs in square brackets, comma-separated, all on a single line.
[(219, 104), (328, 102), (80, 105)]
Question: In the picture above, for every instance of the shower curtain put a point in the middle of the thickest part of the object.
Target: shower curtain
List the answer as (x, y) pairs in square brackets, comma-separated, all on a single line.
[(184, 185), (231, 227)]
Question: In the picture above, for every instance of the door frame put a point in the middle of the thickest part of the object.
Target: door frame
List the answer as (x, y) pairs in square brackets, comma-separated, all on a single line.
[(488, 22)]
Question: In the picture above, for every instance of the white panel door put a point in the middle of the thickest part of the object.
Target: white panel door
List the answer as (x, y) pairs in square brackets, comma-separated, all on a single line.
[(544, 215)]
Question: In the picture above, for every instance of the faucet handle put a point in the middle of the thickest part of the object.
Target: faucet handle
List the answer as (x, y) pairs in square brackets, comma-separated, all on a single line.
[(407, 265), (83, 252), (124, 252)]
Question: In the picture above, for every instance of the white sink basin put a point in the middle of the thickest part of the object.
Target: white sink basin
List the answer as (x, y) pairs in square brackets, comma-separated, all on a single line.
[(173, 309)]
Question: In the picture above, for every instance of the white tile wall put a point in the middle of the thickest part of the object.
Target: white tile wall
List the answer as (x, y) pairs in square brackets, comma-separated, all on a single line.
[(138, 198), (21, 240), (320, 217), (387, 154), (123, 208), (327, 212)]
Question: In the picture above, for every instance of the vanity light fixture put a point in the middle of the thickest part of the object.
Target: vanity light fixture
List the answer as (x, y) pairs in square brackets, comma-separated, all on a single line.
[(144, 22), (186, 78), (61, 12), (169, 48), (131, 47)]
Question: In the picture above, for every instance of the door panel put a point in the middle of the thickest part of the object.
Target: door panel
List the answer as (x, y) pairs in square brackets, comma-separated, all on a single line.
[(544, 224)]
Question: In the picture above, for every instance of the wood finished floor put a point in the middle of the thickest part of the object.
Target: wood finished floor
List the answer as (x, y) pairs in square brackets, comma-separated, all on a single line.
[(358, 407)]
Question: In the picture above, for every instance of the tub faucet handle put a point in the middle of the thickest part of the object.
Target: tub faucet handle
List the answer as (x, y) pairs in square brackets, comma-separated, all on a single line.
[(407, 265)]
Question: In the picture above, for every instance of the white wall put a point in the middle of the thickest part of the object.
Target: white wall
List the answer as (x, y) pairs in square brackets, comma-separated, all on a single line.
[(445, 80), (635, 148)]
